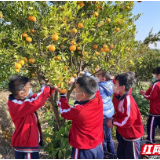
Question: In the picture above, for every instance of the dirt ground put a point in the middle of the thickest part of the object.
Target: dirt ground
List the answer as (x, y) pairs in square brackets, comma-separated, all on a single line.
[(7, 129)]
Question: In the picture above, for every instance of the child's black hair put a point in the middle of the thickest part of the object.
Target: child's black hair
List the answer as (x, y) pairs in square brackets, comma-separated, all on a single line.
[(156, 70), (135, 77), (106, 75), (17, 83), (126, 80), (88, 85)]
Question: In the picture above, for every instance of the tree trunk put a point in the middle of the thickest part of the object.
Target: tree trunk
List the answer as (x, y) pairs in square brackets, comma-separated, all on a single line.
[(70, 91), (68, 96), (53, 99)]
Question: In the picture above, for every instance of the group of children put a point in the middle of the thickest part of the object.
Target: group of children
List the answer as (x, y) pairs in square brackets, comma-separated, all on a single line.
[(93, 115)]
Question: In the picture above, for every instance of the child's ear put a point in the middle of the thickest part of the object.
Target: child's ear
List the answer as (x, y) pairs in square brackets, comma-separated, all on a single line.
[(20, 93), (83, 94), (123, 87)]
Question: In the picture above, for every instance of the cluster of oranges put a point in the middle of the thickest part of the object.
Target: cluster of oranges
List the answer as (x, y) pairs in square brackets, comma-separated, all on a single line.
[(24, 35), (19, 65)]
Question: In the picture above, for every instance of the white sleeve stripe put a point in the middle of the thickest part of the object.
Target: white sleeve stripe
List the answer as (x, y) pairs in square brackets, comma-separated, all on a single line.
[(151, 91), (128, 113), (64, 110), (30, 100)]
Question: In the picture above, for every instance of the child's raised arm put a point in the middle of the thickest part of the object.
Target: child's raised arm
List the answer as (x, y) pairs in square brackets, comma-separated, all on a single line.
[(20, 108)]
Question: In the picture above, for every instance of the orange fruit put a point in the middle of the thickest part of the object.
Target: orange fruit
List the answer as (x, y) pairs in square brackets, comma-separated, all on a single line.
[(28, 39), (31, 61), (108, 20), (99, 7), (127, 7), (55, 37), (111, 46), (59, 85), (101, 50), (17, 70), (117, 29), (60, 79), (74, 30), (17, 66), (73, 42), (95, 2), (127, 49), (32, 18), (97, 66), (25, 59), (32, 31), (32, 74), (72, 47), (58, 58), (65, 68), (105, 46), (63, 91), (41, 113), (62, 46), (119, 22), (80, 25), (24, 35), (78, 48), (106, 49), (84, 52), (97, 53), (52, 48), (74, 75), (81, 4), (21, 62), (95, 46), (95, 14)]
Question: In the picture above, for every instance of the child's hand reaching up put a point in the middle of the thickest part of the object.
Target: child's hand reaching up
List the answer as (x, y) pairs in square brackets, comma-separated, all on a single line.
[(55, 87), (142, 92)]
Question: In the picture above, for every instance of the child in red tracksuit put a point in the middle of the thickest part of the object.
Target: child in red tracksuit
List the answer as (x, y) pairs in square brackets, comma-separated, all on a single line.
[(86, 133), (22, 105), (127, 119), (115, 100), (153, 95)]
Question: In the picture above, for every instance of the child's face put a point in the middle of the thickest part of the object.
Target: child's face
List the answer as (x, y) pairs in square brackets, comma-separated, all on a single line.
[(22, 94), (101, 78), (117, 88), (79, 95), (156, 76)]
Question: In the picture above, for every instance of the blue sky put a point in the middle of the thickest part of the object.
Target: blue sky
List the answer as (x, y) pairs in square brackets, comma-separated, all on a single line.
[(150, 18)]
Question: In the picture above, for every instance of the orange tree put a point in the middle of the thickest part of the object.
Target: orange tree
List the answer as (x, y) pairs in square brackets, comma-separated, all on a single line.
[(146, 59), (52, 42)]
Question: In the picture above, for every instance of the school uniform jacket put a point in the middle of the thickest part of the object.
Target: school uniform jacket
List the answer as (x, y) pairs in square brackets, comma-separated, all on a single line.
[(115, 100), (128, 118), (87, 121), (27, 127), (153, 95)]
